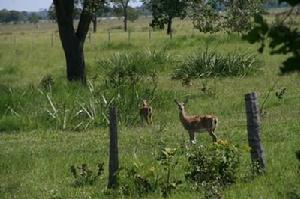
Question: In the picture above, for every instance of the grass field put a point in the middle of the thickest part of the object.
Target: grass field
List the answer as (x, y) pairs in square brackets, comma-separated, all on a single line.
[(35, 158)]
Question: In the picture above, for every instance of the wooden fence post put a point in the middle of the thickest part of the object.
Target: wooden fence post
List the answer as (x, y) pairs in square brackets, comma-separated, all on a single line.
[(150, 34), (52, 39), (113, 149), (253, 126), (109, 36), (90, 37), (129, 36), (171, 34)]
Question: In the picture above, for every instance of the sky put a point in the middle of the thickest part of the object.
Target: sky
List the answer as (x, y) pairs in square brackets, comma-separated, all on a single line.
[(28, 5)]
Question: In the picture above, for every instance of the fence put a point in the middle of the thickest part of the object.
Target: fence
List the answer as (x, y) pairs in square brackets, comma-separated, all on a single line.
[(52, 38)]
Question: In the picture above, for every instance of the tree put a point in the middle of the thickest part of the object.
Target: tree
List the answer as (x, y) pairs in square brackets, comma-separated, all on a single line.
[(240, 12), (34, 18), (133, 14), (73, 40), (205, 16), (123, 5), (164, 11), (284, 39)]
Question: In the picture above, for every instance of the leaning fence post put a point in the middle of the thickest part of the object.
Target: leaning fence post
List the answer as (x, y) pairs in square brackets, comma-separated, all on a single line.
[(253, 126), (113, 148)]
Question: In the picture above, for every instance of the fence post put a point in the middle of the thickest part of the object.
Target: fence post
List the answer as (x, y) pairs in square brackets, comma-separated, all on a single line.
[(52, 39), (150, 34), (113, 149), (109, 36), (171, 34), (253, 126), (15, 40), (129, 35)]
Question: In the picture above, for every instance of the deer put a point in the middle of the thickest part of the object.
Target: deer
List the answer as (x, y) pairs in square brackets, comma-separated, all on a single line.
[(146, 112), (197, 123)]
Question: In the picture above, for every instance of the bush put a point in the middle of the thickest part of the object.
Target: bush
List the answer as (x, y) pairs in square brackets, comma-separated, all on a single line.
[(210, 64), (132, 77), (213, 166)]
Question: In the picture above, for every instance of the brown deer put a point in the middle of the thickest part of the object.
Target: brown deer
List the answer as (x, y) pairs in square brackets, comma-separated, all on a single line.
[(146, 112), (197, 123)]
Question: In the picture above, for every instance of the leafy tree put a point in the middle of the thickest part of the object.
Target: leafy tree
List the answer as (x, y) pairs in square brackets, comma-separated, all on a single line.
[(240, 12), (33, 18), (11, 16), (164, 11), (73, 40), (205, 16), (132, 13), (284, 39)]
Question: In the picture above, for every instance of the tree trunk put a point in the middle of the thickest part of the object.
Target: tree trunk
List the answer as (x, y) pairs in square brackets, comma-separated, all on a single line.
[(169, 29), (94, 24), (72, 41), (125, 20)]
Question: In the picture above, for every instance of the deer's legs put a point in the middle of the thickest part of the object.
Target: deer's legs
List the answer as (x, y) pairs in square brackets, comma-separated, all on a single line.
[(192, 137), (213, 135)]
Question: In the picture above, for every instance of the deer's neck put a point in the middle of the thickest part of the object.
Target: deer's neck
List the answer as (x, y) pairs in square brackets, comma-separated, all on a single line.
[(182, 116)]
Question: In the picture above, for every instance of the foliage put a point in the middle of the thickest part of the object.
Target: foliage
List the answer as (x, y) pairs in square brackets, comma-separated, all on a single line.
[(205, 16), (164, 11), (213, 166), (211, 64), (283, 39), (84, 176), (168, 160), (137, 180), (239, 14), (140, 179), (132, 78)]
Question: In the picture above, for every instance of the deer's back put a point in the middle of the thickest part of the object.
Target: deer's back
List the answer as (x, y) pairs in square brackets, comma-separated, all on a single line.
[(198, 122)]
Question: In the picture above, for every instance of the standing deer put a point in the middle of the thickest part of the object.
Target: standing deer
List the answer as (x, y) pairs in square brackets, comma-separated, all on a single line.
[(146, 112), (197, 123)]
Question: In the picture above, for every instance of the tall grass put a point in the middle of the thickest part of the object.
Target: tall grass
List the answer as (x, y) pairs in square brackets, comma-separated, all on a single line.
[(211, 64)]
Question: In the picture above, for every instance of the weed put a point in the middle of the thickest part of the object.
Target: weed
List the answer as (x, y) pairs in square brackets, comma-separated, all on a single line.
[(84, 176)]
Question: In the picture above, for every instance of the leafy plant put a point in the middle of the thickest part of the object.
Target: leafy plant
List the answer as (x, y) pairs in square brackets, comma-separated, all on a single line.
[(210, 64), (84, 176), (284, 39), (205, 16), (168, 161), (137, 180), (213, 166)]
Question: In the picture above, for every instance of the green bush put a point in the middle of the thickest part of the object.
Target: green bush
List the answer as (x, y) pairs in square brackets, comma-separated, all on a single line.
[(132, 77), (11, 123), (210, 64), (214, 164)]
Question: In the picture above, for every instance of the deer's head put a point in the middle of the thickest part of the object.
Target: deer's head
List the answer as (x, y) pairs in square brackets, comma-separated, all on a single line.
[(145, 103), (181, 105)]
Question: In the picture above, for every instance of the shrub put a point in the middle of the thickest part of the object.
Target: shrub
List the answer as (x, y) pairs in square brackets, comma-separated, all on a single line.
[(213, 166), (84, 176), (130, 78), (210, 64)]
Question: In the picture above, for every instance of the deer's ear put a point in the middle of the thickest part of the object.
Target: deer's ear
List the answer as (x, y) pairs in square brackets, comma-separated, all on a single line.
[(176, 102)]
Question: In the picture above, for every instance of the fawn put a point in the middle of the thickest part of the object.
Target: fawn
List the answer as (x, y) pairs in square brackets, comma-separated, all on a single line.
[(196, 123), (146, 112)]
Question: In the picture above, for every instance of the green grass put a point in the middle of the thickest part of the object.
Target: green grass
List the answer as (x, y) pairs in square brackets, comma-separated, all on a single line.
[(35, 156)]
